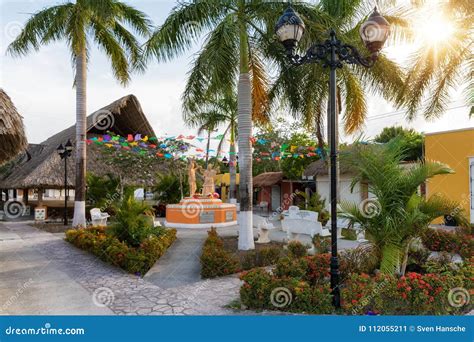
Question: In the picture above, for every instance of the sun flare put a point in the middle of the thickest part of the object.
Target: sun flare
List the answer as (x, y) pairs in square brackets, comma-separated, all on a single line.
[(434, 28)]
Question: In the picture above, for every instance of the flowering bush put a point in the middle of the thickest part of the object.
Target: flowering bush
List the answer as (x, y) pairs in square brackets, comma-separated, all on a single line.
[(261, 290), (453, 242), (413, 294), (215, 260), (107, 247), (296, 249)]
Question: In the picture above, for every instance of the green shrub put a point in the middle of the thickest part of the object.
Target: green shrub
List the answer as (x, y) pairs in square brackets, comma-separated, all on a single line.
[(262, 291), (215, 260), (296, 249), (265, 256), (133, 222), (318, 268), (362, 259), (288, 267), (349, 234), (107, 247), (269, 255), (453, 242), (413, 294), (322, 244)]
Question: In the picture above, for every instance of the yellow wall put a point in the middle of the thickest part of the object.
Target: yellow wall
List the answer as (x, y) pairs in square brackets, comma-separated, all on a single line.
[(223, 180), (453, 148)]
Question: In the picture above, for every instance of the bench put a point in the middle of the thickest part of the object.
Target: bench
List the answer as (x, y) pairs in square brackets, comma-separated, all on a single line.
[(264, 227), (98, 218), (303, 222)]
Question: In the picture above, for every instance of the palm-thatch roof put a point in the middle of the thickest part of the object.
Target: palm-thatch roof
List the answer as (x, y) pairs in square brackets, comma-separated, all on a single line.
[(320, 168), (12, 132), (267, 179), (41, 166)]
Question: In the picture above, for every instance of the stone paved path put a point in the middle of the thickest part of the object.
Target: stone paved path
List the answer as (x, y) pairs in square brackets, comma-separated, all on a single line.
[(84, 277)]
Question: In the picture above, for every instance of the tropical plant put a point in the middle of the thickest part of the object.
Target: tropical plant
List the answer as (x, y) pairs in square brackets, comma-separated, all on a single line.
[(440, 66), (398, 214), (208, 115), (80, 23), (304, 89), (102, 191), (133, 221), (412, 140), (314, 202), (170, 188), (231, 52)]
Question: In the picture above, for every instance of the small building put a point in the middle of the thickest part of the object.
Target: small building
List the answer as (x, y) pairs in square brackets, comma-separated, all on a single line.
[(318, 173), (272, 192), (456, 149), (36, 177)]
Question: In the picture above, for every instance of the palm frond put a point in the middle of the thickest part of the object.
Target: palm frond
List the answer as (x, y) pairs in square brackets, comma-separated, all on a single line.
[(184, 26)]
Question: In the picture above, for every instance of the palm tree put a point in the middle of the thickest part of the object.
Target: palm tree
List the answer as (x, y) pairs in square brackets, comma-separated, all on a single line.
[(304, 90), (212, 114), (230, 58), (80, 23), (438, 67), (399, 213)]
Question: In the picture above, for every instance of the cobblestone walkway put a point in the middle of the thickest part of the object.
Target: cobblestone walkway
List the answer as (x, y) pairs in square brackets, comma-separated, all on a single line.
[(123, 293)]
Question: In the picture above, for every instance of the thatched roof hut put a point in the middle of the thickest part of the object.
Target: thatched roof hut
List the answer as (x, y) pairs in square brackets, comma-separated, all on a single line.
[(41, 166), (12, 132), (267, 179)]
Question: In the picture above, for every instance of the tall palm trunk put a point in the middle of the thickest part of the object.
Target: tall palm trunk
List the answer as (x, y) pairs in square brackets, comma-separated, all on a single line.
[(232, 164), (81, 101), (244, 110), (208, 145)]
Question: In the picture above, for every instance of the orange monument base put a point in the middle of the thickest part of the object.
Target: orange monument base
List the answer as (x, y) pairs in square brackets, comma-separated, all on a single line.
[(201, 212)]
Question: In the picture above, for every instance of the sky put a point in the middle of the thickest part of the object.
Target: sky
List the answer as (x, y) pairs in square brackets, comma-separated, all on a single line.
[(40, 84)]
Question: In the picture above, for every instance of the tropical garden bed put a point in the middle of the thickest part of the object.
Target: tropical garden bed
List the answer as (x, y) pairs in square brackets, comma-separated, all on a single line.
[(131, 242), (396, 273)]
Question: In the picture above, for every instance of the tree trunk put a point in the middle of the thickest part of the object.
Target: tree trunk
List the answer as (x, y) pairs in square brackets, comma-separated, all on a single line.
[(208, 145), (244, 109), (79, 219), (232, 163)]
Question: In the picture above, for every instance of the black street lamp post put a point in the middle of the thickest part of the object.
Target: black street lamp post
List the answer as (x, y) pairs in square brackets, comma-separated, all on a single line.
[(65, 152), (332, 53)]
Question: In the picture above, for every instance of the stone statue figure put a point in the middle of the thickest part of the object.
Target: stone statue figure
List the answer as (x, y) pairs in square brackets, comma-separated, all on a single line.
[(192, 177), (208, 186)]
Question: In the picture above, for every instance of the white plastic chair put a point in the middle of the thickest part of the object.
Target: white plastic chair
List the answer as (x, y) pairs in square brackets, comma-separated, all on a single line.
[(98, 218)]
